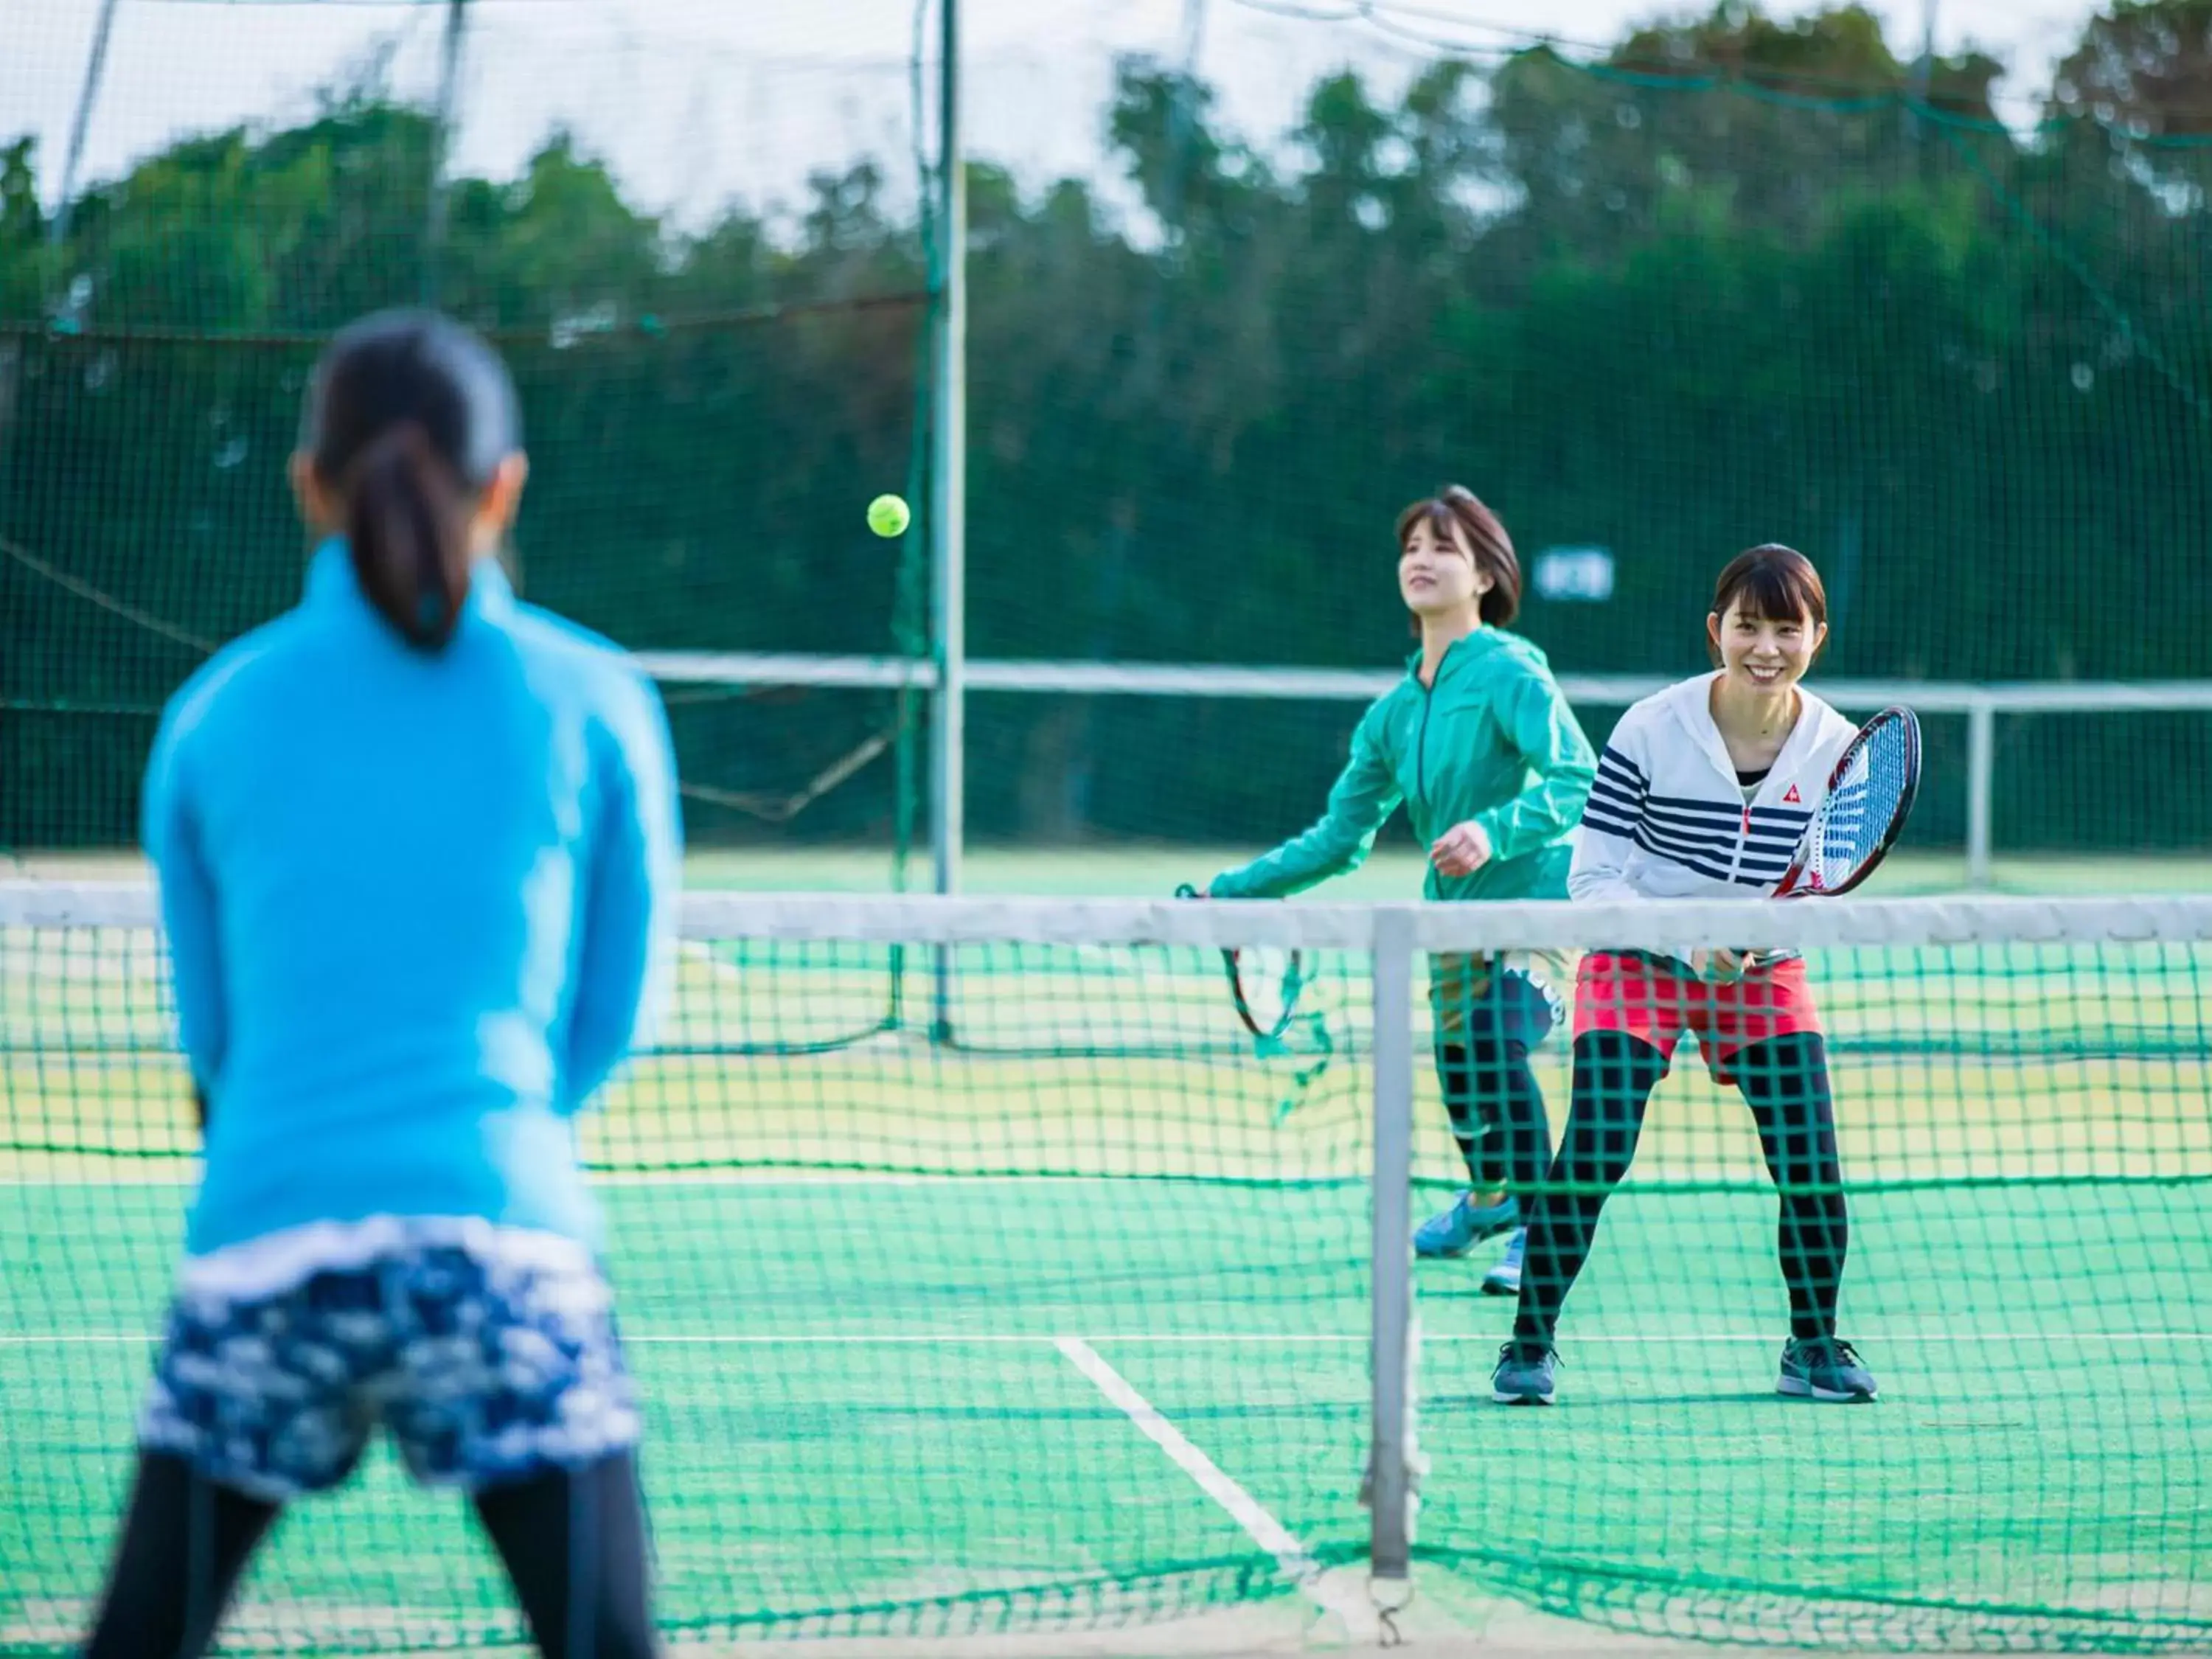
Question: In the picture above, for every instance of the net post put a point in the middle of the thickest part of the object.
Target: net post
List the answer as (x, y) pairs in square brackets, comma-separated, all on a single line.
[(1390, 1540), (1981, 773), (948, 505)]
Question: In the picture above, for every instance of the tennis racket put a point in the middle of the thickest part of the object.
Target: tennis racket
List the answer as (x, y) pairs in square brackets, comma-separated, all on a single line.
[(1264, 981), (1869, 797)]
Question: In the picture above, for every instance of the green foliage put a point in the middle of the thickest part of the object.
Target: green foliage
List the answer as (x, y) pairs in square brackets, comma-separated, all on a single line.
[(22, 230), (1740, 281), (2146, 65)]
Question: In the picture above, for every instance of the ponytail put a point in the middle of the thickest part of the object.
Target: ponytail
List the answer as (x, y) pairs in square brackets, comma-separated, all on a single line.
[(407, 521)]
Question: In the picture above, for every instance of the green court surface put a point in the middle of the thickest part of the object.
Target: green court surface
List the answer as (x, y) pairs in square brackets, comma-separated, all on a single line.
[(876, 1405), (1066, 1323), (2036, 1473), (861, 1414)]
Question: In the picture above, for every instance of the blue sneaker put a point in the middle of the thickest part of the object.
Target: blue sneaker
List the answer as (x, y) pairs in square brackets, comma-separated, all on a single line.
[(1504, 1279), (1524, 1376), (1466, 1224), (1824, 1368)]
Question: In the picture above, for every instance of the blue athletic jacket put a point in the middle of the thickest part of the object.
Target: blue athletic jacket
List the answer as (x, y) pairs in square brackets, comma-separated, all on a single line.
[(418, 908)]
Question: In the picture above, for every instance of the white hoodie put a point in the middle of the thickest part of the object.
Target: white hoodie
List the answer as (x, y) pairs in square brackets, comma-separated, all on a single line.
[(1666, 817)]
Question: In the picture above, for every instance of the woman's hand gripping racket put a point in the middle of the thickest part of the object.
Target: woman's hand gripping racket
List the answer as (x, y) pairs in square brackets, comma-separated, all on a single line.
[(1264, 982), (1869, 797)]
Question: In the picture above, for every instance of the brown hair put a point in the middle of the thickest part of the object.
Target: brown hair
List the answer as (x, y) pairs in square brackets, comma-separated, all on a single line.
[(1454, 508), (1773, 583), (409, 420), (407, 525)]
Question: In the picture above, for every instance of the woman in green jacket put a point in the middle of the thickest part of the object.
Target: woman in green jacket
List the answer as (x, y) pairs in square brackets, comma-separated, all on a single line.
[(1480, 745)]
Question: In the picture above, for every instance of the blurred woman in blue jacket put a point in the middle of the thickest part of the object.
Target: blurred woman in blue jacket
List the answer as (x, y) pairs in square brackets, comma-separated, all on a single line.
[(418, 853)]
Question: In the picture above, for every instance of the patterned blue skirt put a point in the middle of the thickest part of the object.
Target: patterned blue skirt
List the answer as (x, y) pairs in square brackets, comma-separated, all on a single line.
[(488, 1354)]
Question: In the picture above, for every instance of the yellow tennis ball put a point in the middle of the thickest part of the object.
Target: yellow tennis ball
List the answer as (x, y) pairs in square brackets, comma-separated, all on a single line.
[(888, 516)]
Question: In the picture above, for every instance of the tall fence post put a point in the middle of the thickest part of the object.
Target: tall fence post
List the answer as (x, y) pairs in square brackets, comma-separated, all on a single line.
[(1981, 774), (441, 152), (1389, 1491), (95, 66), (948, 502)]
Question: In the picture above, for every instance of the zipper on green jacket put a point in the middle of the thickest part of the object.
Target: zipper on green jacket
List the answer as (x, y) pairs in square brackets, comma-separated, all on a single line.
[(1421, 742), (1421, 733)]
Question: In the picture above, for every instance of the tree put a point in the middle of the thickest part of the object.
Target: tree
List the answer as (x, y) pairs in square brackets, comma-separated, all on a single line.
[(2133, 104), (1736, 282), (2144, 67), (22, 230), (1734, 117)]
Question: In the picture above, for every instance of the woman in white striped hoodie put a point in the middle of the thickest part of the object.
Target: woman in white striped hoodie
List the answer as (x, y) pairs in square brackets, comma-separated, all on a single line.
[(1703, 791)]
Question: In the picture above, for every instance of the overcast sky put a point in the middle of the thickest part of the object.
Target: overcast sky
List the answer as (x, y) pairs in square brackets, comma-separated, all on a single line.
[(697, 102)]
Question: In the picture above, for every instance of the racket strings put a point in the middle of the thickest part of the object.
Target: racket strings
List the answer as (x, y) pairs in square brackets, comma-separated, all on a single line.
[(1856, 817)]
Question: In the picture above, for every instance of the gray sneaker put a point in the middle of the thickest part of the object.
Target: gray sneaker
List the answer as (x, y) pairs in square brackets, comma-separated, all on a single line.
[(1524, 1376), (1823, 1368), (1504, 1279)]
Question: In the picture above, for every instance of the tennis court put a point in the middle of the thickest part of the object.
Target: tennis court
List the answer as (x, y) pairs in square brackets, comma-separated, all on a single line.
[(997, 1293), (1068, 1323)]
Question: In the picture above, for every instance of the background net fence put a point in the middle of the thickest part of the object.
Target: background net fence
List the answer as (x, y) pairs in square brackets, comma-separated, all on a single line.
[(708, 363), (1724, 281), (929, 1334)]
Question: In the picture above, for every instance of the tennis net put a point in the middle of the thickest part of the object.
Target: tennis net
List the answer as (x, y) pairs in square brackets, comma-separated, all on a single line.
[(1080, 1315)]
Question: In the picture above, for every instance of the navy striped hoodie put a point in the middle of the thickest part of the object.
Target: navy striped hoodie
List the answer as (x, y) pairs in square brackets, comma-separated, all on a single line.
[(1666, 817)]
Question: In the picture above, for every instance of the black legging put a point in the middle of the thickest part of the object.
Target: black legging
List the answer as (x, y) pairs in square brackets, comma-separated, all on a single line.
[(1785, 1082), (1498, 1114), (574, 1546), (1496, 1105)]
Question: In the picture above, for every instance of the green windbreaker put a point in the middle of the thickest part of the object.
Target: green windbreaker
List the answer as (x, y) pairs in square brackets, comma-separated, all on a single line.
[(1493, 741)]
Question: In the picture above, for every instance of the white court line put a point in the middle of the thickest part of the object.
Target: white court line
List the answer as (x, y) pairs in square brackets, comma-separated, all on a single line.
[(1269, 1533), (1215, 1339)]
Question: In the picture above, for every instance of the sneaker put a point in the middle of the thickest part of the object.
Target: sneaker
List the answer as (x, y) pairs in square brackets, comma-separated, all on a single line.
[(1504, 1279), (1823, 1368), (1524, 1376), (1466, 1224)]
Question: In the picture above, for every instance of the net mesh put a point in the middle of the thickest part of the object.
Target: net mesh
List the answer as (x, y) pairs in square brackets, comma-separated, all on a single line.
[(928, 1334), (674, 242), (1726, 283)]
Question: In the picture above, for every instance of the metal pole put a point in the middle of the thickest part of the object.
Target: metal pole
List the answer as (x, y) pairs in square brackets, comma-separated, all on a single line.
[(88, 96), (1181, 115), (1924, 73), (1389, 1519), (449, 80), (948, 502), (1981, 772)]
